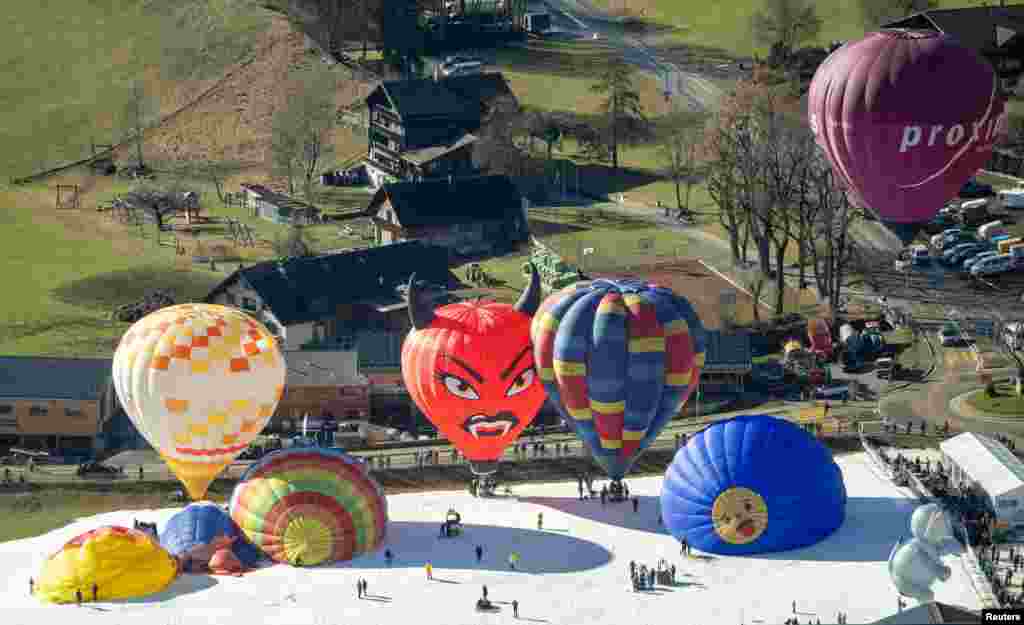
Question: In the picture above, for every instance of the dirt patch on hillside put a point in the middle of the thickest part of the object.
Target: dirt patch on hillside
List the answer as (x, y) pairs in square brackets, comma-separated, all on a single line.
[(233, 121)]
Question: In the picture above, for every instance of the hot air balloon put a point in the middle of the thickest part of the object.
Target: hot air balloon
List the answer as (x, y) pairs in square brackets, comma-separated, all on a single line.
[(200, 382), (469, 368), (752, 484), (122, 563), (618, 359), (195, 532), (310, 506), (916, 565), (905, 117)]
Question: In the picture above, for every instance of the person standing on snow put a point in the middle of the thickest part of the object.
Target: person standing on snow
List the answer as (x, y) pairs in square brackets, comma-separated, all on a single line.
[(430, 571), (540, 520), (515, 608), (485, 592), (359, 589), (513, 559), (388, 556), (479, 553), (636, 504)]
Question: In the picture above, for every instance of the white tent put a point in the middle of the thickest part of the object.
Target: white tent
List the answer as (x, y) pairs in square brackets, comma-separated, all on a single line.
[(994, 468)]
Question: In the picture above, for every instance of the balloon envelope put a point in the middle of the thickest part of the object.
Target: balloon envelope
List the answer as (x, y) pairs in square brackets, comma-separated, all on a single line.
[(200, 382), (897, 132), (123, 563), (472, 375), (194, 529), (619, 359), (752, 484), (310, 506)]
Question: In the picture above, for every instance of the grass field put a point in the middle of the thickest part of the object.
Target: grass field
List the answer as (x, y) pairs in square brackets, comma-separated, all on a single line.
[(1007, 402), (73, 63), (724, 25)]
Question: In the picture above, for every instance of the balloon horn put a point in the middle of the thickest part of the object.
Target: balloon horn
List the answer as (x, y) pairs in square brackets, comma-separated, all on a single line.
[(529, 301), (420, 313)]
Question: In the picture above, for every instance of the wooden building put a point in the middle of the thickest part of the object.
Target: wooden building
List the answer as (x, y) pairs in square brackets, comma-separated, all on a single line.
[(997, 33), (277, 207), (423, 129), (482, 214)]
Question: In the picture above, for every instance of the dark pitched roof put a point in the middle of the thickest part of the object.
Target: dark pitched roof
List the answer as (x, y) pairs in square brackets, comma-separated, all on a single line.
[(727, 352), (300, 290), (287, 203), (442, 203), (81, 379), (975, 27), (458, 95)]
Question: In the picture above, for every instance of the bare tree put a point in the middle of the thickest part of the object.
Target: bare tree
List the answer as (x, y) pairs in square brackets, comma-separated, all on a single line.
[(722, 180), (621, 103), (138, 112), (301, 136), (293, 243), (502, 139), (874, 13), (785, 24), (216, 172), (836, 255), (680, 153)]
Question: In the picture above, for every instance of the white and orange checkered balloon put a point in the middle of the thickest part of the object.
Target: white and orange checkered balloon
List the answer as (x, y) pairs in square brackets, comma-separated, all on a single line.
[(199, 381)]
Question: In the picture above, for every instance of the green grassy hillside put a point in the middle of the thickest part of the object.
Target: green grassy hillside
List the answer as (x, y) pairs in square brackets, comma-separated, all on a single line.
[(725, 25), (67, 65)]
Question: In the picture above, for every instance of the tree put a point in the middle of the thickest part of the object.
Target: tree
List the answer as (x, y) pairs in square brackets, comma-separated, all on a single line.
[(501, 144), (621, 103), (836, 254), (785, 24), (546, 128), (292, 244), (301, 131), (680, 153), (874, 13), (138, 112), (215, 172)]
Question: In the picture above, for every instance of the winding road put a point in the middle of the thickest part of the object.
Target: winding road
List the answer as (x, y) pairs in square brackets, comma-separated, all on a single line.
[(581, 19)]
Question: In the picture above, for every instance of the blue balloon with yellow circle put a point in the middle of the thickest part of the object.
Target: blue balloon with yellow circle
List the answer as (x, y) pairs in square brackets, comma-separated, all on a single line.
[(752, 484)]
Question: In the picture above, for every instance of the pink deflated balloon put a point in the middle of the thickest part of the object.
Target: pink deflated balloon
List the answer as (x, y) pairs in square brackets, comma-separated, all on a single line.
[(906, 118)]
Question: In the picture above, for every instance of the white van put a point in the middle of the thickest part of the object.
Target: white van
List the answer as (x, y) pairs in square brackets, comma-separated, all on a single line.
[(1012, 198), (461, 69)]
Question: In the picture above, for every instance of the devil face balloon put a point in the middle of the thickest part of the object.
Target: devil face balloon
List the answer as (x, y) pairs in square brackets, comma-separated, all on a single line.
[(469, 368)]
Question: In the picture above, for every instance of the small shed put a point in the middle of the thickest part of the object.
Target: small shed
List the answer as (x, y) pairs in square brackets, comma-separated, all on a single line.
[(277, 207), (978, 460)]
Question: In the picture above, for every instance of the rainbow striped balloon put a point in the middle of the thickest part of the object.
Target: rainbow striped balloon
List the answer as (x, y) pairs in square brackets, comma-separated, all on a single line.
[(619, 359), (310, 506)]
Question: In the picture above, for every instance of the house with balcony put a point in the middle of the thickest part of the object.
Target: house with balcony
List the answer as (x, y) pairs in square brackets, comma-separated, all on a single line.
[(994, 32), (478, 215), (337, 303), (423, 129)]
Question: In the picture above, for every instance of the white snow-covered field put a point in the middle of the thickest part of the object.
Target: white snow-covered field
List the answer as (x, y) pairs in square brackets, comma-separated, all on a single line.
[(575, 571)]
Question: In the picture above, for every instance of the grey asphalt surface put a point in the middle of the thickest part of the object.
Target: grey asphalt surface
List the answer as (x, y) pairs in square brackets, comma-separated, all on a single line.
[(580, 18)]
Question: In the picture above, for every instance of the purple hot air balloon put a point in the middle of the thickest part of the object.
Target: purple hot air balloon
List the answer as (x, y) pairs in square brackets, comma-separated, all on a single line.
[(905, 118)]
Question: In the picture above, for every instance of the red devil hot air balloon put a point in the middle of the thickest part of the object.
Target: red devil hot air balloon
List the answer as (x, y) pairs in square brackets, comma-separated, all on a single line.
[(469, 368), (905, 118)]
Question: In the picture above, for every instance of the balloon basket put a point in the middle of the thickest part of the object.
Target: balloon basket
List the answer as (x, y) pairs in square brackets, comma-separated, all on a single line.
[(484, 483)]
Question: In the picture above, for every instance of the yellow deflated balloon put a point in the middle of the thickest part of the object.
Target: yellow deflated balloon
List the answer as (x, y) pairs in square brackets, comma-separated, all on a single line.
[(121, 563), (200, 382)]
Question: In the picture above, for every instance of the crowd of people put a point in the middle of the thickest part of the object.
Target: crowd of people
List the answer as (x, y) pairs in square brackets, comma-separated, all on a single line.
[(646, 577)]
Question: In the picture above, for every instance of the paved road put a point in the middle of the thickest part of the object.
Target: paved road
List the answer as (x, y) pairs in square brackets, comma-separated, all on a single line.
[(574, 16)]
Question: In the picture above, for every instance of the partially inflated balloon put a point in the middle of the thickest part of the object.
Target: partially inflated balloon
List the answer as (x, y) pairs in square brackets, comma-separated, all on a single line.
[(200, 382), (905, 118), (310, 506), (122, 563), (752, 484), (618, 359), (194, 531)]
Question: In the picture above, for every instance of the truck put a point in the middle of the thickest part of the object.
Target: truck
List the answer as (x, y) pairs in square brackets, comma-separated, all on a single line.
[(536, 23), (820, 335)]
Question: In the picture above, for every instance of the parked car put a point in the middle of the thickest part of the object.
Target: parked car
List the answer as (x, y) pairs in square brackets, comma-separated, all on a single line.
[(993, 266), (962, 253), (886, 368), (955, 240), (920, 255), (974, 260), (93, 467), (1012, 198), (949, 335), (954, 254), (970, 253), (974, 189)]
